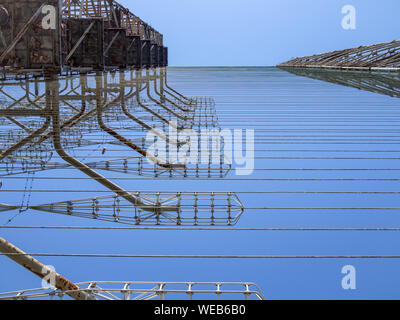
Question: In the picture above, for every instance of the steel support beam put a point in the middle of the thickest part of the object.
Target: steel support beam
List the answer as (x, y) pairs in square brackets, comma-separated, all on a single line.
[(42, 271)]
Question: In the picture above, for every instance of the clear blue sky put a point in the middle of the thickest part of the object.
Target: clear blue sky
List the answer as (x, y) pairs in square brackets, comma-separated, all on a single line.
[(262, 32)]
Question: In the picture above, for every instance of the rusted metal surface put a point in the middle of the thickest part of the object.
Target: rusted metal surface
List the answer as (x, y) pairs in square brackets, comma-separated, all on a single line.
[(161, 56), (42, 271), (381, 56), (27, 42), (58, 37), (89, 52), (115, 16)]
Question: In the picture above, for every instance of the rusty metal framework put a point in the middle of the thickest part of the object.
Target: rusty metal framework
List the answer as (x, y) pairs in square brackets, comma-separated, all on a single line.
[(114, 15), (381, 56), (58, 37), (47, 122)]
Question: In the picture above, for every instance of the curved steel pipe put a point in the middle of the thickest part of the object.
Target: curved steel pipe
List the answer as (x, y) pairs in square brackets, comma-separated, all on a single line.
[(52, 89), (177, 115), (115, 134), (163, 97), (168, 87), (138, 78), (162, 91), (137, 120)]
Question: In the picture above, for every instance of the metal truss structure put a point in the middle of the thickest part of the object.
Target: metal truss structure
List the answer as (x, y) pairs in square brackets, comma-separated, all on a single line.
[(46, 127), (378, 82), (102, 290), (91, 106), (382, 56), (114, 15)]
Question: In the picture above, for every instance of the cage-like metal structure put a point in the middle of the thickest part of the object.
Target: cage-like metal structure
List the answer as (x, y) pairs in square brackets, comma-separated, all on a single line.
[(381, 56), (156, 208)]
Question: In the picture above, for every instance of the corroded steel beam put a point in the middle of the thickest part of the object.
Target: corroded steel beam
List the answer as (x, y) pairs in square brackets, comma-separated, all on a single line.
[(115, 16), (53, 37)]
